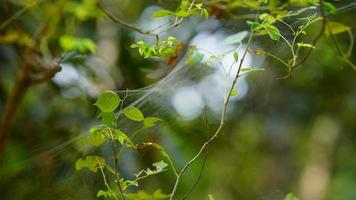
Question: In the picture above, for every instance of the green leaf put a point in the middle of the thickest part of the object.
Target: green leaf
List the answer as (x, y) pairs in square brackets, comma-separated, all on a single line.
[(92, 163), (272, 31), (162, 13), (107, 118), (108, 101), (121, 136), (329, 7), (211, 197), (267, 18), (160, 166), (89, 45), (82, 45), (233, 92), (336, 28), (96, 138), (127, 183), (205, 13), (67, 42), (291, 196), (236, 38), (150, 121), (236, 56), (253, 25), (105, 194), (133, 113), (181, 13), (195, 58)]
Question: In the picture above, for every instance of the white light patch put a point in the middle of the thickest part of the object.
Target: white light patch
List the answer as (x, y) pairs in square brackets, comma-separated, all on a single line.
[(188, 103), (67, 76), (214, 86)]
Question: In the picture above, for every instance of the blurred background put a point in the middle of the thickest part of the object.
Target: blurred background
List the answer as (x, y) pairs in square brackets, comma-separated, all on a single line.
[(281, 135)]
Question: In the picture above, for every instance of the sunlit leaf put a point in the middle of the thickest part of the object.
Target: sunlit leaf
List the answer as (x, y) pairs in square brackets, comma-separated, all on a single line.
[(105, 194), (291, 196), (233, 92), (96, 138), (92, 163), (107, 118), (150, 121), (272, 31), (160, 166), (236, 38), (195, 58), (133, 113), (329, 7), (336, 28), (236, 56), (181, 13), (121, 136), (108, 101), (162, 13)]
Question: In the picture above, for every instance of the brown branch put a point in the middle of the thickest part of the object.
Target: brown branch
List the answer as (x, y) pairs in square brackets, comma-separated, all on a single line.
[(45, 76), (125, 24), (25, 79), (12, 103), (18, 14)]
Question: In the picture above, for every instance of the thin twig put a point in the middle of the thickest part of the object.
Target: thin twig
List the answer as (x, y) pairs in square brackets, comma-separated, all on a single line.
[(19, 14), (199, 177), (222, 119), (125, 24), (317, 38)]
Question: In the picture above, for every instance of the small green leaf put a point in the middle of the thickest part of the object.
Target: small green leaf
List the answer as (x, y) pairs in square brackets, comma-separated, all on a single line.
[(211, 197), (67, 42), (267, 18), (150, 121), (195, 58), (92, 163), (162, 13), (329, 7), (233, 92), (105, 194), (127, 183), (160, 166), (181, 13), (82, 45), (253, 25), (121, 136), (236, 56), (205, 13), (89, 45), (236, 38), (108, 101), (336, 28), (107, 118), (96, 138), (133, 113), (272, 31), (291, 196)]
